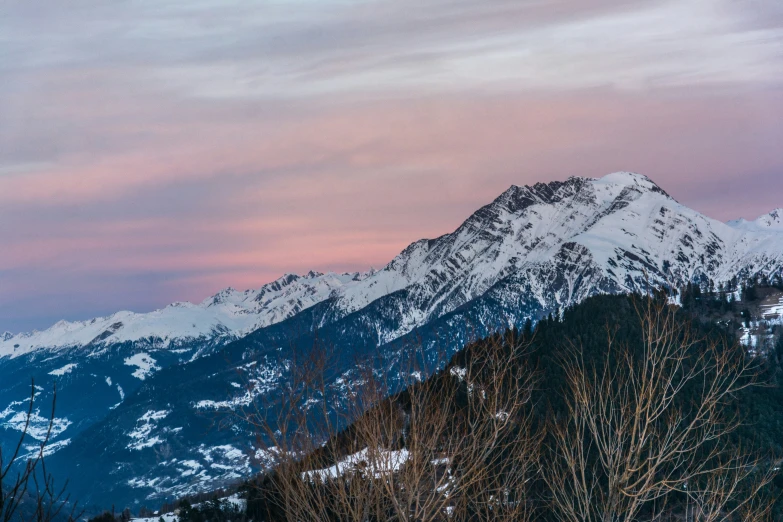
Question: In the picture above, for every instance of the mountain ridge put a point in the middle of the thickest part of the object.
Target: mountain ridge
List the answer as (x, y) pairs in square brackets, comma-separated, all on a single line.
[(532, 251), (291, 293)]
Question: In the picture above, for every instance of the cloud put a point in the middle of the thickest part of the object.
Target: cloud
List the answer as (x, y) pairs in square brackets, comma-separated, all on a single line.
[(154, 151)]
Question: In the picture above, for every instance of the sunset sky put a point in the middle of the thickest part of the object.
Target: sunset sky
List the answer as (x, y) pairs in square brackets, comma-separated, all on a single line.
[(153, 151)]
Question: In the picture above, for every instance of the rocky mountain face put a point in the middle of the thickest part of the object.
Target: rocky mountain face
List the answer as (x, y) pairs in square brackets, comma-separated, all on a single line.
[(142, 395)]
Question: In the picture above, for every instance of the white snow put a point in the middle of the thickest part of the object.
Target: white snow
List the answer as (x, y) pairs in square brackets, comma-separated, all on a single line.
[(607, 234), (259, 380), (234, 500), (38, 424), (612, 222), (167, 517), (65, 369), (50, 449), (191, 467), (380, 462), (767, 222), (145, 365), (773, 311), (230, 313), (140, 436), (458, 372)]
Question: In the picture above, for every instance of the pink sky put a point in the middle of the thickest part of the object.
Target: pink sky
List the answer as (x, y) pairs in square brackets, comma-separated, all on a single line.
[(157, 152)]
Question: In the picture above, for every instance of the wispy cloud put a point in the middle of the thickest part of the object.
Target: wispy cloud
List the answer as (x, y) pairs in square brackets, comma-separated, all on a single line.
[(152, 151)]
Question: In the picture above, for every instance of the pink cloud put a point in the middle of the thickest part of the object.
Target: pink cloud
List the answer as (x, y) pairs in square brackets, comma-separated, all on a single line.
[(230, 199)]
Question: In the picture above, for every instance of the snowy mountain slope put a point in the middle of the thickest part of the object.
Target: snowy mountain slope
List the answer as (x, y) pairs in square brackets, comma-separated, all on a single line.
[(533, 250), (623, 225), (107, 359), (230, 314), (766, 223), (529, 252)]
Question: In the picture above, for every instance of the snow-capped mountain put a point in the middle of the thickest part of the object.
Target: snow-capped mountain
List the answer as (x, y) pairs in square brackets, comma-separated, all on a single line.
[(533, 250), (615, 234), (228, 314), (624, 230), (105, 360), (765, 223)]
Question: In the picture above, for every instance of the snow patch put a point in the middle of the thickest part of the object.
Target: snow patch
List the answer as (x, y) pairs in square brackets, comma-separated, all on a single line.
[(50, 449), (140, 436), (38, 427), (68, 368), (145, 365), (379, 463)]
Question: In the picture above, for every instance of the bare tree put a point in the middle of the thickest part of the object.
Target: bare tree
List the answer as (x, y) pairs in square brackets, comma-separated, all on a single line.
[(458, 446), (27, 490), (641, 428)]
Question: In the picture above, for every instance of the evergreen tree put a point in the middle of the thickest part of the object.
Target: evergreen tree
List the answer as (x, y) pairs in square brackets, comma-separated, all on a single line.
[(527, 331)]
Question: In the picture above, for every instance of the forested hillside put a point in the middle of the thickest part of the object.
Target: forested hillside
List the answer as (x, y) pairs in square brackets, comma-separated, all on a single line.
[(525, 425)]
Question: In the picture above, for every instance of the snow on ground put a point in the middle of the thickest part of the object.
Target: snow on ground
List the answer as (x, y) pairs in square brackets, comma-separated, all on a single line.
[(773, 310), (68, 368), (145, 365), (50, 449), (618, 224), (458, 372), (39, 425), (122, 396), (167, 517), (140, 436), (225, 452), (191, 467), (207, 468), (261, 379), (234, 500), (380, 462)]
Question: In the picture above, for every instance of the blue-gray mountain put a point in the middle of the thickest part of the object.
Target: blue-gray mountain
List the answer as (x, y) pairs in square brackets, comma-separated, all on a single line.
[(139, 393)]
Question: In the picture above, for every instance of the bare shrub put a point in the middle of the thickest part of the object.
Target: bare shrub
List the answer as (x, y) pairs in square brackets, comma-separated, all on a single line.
[(642, 429), (27, 490), (460, 445)]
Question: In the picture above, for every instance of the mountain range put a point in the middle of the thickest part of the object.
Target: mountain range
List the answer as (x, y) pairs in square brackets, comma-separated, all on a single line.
[(142, 397)]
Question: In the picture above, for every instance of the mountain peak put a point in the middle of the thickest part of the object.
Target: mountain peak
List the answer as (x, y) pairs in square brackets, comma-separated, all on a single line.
[(775, 216), (768, 222), (631, 179), (773, 219), (518, 197), (626, 178)]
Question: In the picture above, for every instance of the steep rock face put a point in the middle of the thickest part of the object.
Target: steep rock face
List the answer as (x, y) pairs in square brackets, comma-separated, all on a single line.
[(533, 250)]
